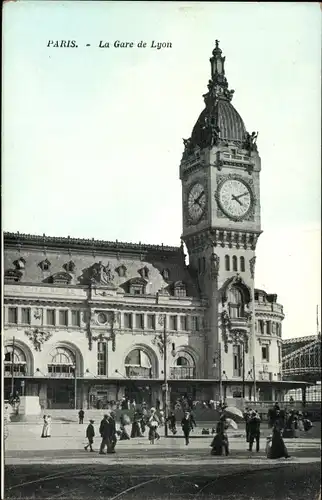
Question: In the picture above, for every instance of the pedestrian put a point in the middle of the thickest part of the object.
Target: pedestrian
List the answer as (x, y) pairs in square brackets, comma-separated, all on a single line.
[(136, 431), (247, 416), (187, 425), (275, 447), (254, 423), (81, 415), (108, 434), (153, 423), (44, 433), (172, 423), (48, 426), (158, 404), (90, 433), (220, 441)]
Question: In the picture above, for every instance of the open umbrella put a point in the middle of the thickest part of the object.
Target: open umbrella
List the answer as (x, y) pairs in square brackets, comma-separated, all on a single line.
[(233, 412), (232, 423)]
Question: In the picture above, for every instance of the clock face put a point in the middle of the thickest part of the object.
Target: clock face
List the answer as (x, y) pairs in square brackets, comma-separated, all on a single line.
[(196, 202), (235, 198)]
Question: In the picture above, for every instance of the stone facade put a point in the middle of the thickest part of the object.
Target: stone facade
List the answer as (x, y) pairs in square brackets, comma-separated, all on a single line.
[(86, 321)]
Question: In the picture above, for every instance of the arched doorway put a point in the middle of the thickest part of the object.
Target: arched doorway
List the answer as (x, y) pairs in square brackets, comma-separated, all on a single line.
[(61, 370), (183, 368), (139, 369)]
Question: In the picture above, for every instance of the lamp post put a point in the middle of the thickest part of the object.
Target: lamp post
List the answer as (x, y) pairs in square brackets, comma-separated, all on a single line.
[(75, 387), (243, 368), (163, 345), (13, 367), (217, 358)]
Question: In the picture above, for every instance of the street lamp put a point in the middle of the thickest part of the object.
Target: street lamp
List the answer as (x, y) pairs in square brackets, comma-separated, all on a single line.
[(162, 342), (217, 359)]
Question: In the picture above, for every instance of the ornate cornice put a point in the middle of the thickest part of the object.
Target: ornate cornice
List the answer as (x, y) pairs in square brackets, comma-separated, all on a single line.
[(224, 238), (269, 315), (77, 244)]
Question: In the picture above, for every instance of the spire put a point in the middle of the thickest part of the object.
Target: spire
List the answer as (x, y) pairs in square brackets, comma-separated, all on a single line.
[(218, 85)]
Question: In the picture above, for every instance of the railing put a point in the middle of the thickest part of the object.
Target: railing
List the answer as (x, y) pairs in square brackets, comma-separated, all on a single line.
[(182, 372), (138, 372)]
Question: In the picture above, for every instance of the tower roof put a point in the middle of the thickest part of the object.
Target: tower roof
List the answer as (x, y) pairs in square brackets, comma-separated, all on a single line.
[(219, 122)]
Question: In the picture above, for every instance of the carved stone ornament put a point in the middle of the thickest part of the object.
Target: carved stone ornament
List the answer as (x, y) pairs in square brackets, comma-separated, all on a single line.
[(159, 343), (38, 337), (44, 265), (69, 266), (61, 278), (225, 325), (12, 275), (144, 272), (239, 336), (121, 270), (20, 263), (37, 313), (252, 263), (100, 274), (214, 266), (102, 337)]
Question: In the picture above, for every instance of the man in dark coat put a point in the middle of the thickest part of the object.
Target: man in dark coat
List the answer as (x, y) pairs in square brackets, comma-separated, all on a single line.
[(108, 433), (81, 415), (90, 433), (254, 423), (187, 424)]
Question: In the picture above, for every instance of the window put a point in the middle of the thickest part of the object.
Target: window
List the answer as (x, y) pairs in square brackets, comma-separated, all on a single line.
[(179, 289), (151, 321), (173, 323), (268, 328), (261, 326), (235, 268), (25, 315), (51, 317), (279, 353), (139, 321), (273, 327), (138, 364), (75, 318), (183, 367), (102, 358), (265, 353), (13, 315), (183, 323), (62, 363), (236, 303), (194, 321), (242, 264), (16, 359), (127, 320), (63, 317), (236, 361), (227, 263), (136, 290)]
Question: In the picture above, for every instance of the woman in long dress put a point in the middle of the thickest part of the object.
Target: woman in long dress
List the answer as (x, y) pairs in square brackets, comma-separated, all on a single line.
[(275, 446), (153, 424), (44, 433), (220, 441)]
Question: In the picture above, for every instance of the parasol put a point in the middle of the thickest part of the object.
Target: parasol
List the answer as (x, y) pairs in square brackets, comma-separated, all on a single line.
[(233, 412), (232, 423)]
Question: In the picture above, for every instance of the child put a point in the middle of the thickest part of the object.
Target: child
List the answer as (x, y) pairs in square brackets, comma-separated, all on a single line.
[(90, 433)]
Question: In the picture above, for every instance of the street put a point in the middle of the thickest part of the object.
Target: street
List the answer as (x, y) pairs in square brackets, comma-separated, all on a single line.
[(59, 467)]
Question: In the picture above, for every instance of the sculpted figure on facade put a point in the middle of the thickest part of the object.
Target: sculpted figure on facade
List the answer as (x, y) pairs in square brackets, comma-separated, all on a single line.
[(38, 337), (100, 274), (214, 265), (252, 263)]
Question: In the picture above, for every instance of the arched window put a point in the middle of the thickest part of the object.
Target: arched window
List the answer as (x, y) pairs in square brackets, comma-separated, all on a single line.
[(138, 364), (235, 268), (14, 359), (183, 366), (227, 263), (236, 302), (62, 362), (242, 264)]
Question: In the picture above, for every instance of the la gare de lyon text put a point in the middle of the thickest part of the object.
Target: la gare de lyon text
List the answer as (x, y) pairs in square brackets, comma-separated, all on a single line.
[(106, 45)]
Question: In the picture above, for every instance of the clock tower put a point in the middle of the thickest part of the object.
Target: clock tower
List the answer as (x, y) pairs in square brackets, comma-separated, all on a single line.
[(219, 172)]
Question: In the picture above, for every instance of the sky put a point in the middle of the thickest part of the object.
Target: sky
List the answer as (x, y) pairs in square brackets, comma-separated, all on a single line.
[(92, 137)]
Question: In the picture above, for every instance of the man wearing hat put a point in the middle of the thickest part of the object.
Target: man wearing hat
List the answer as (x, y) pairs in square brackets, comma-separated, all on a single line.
[(90, 433)]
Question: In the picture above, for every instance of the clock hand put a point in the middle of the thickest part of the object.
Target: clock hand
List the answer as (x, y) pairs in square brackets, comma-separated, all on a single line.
[(236, 199), (199, 197), (240, 195)]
